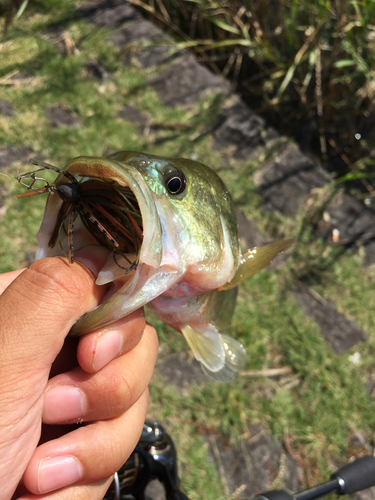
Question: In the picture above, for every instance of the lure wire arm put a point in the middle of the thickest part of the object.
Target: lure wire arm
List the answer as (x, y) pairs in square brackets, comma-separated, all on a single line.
[(50, 188), (47, 166), (31, 175)]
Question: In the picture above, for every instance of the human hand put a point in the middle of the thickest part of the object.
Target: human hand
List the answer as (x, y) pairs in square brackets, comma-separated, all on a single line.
[(100, 379)]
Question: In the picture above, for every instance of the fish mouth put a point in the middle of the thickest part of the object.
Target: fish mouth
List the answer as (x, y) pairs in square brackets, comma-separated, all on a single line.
[(113, 208)]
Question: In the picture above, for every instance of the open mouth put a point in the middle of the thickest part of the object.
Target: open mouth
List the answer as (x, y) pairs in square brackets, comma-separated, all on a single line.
[(109, 212)]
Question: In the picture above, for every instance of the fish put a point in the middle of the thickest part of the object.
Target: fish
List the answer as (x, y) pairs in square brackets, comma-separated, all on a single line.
[(171, 229)]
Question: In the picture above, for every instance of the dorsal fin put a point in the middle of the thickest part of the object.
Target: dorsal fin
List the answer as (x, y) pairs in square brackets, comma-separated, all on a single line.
[(255, 260)]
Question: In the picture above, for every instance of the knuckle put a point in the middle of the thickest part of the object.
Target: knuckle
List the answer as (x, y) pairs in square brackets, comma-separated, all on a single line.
[(123, 392), (53, 278)]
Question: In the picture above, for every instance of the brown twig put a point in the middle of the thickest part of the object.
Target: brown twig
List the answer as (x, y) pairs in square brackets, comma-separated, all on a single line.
[(219, 464)]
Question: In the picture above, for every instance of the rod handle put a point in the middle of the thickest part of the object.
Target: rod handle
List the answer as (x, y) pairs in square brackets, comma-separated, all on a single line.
[(356, 476)]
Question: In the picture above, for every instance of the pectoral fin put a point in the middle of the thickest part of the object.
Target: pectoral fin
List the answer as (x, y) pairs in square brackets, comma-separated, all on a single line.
[(255, 260), (221, 356)]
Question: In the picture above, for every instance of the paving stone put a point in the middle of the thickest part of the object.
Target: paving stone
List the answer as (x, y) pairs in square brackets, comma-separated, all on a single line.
[(248, 233), (358, 439), (251, 467), (6, 109), (185, 82), (368, 494), (144, 41), (110, 13), (250, 237), (341, 333), (355, 222), (60, 117), (239, 126), (133, 115), (288, 179), (180, 371), (369, 247)]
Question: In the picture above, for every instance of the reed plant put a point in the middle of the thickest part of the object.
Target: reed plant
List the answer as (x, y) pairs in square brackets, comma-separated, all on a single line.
[(307, 66)]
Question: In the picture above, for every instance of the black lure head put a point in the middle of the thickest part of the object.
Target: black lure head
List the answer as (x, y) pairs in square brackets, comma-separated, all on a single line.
[(69, 193)]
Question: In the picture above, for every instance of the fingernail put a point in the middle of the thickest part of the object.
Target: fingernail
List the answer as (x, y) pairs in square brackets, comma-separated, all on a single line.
[(108, 346), (57, 472), (63, 403)]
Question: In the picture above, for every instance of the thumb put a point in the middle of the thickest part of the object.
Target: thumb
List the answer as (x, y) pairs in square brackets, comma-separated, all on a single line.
[(38, 309)]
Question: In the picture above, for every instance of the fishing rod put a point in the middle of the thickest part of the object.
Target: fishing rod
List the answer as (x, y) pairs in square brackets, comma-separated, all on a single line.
[(354, 476), (155, 457)]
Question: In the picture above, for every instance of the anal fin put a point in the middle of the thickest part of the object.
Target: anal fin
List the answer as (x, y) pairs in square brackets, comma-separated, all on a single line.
[(222, 357)]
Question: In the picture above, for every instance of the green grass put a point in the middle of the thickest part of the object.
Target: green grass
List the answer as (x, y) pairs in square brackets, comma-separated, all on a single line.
[(323, 400)]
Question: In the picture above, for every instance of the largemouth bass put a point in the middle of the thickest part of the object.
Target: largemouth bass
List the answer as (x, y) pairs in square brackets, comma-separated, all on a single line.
[(173, 238)]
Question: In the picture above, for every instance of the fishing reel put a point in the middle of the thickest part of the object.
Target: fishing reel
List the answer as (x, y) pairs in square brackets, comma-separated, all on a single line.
[(154, 457)]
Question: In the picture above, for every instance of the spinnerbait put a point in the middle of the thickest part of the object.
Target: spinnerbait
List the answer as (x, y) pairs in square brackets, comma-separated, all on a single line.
[(109, 212)]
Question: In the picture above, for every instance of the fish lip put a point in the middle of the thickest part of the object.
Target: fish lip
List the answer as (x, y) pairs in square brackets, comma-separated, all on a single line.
[(124, 175)]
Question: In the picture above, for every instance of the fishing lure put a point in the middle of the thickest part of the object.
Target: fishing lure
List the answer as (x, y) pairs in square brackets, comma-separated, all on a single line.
[(110, 213)]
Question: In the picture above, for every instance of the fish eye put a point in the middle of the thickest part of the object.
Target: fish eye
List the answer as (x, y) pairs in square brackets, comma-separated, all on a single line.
[(175, 182)]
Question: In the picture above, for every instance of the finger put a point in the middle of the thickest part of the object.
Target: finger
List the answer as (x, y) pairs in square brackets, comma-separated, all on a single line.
[(46, 299), (95, 491), (98, 348), (7, 278), (77, 396), (87, 454)]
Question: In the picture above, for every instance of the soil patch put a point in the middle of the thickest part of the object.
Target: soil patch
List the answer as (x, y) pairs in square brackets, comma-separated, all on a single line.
[(180, 371), (252, 466), (6, 109), (60, 117), (11, 155)]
